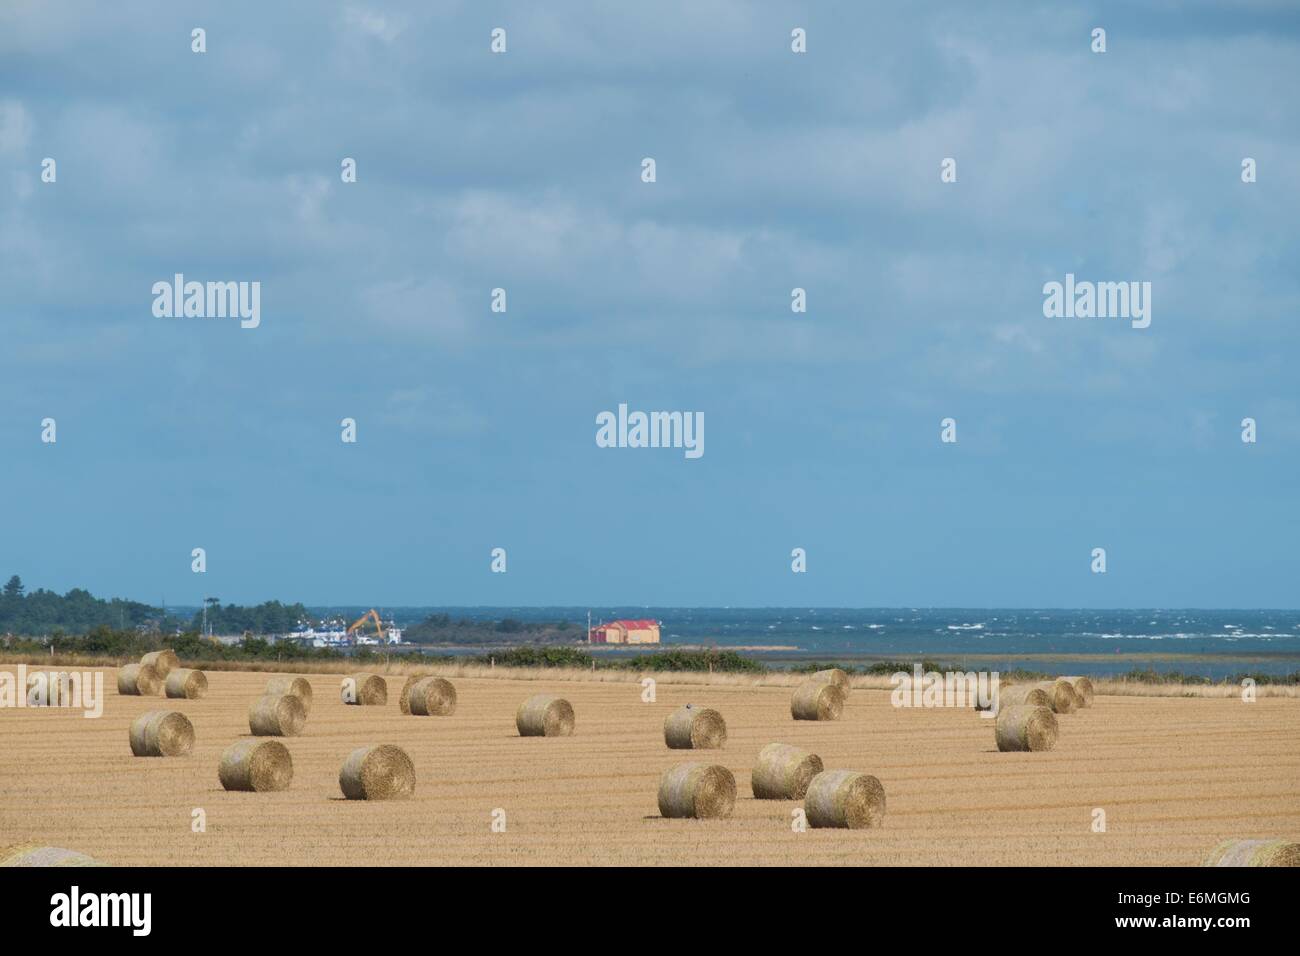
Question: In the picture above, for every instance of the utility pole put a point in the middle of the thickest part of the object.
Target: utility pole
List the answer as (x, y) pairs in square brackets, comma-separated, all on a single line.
[(206, 602)]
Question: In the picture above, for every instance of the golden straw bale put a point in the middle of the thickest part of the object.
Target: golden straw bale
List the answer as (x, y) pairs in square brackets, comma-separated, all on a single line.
[(52, 689), (1255, 853), (844, 798), (161, 733), (35, 854), (299, 687), (695, 728), (257, 766), (834, 676), (382, 772), (817, 700), (700, 790), (404, 698), (276, 716), (1025, 727), (187, 684), (784, 772), (138, 680), (1024, 694), (1062, 693), (545, 715), (432, 697), (1083, 687), (367, 690), (162, 662)]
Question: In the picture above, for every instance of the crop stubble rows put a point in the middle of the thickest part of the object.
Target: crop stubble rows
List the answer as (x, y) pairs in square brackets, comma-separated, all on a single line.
[(1174, 777)]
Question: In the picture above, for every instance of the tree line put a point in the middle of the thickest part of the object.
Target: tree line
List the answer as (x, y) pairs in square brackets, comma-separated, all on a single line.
[(43, 613)]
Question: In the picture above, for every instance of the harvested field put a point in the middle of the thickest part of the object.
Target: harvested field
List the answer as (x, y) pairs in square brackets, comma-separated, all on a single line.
[(1176, 777), (396, 668)]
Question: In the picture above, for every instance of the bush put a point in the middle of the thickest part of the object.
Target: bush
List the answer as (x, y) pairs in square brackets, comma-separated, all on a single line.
[(726, 661), (1150, 676), (1293, 678), (538, 657), (813, 666), (1019, 675), (889, 668)]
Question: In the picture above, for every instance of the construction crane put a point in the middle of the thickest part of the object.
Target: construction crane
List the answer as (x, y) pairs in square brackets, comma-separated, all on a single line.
[(371, 615)]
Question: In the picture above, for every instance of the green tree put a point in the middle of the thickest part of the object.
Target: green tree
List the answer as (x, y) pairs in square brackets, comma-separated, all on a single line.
[(14, 587)]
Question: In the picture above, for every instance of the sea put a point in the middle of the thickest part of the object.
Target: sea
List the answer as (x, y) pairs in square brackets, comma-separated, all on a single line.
[(1207, 643)]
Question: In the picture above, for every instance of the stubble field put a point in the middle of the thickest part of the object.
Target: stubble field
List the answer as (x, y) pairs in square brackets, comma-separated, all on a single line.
[(1174, 776)]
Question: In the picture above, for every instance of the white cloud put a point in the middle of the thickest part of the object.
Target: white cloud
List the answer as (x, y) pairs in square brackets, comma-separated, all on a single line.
[(372, 23)]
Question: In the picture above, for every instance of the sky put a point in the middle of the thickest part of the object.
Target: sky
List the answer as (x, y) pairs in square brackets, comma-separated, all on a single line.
[(774, 170)]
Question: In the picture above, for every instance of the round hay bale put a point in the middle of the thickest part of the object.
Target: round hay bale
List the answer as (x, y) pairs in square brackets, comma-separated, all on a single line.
[(695, 728), (433, 697), (276, 716), (367, 690), (699, 790), (1026, 727), (163, 662), (544, 715), (1064, 699), (35, 854), (138, 680), (1255, 853), (258, 766), (1083, 687), (162, 733), (996, 690), (784, 772), (49, 689), (404, 698), (187, 684), (833, 676), (382, 772), (843, 798), (1023, 695), (817, 700), (298, 687)]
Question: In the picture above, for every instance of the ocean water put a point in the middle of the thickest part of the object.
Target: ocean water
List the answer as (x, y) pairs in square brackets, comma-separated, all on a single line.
[(1224, 642)]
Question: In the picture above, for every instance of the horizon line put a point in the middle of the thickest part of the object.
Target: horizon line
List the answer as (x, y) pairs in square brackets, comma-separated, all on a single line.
[(755, 607)]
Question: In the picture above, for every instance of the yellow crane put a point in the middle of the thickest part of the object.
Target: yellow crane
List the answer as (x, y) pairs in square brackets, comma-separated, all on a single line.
[(371, 615)]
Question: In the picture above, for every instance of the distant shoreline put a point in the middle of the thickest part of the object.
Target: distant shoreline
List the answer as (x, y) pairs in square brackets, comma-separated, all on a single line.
[(777, 653)]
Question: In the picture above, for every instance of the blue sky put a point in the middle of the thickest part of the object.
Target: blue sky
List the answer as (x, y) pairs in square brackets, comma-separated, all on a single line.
[(774, 170)]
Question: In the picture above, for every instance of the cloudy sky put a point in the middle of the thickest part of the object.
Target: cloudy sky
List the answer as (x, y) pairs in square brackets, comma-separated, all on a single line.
[(775, 170)]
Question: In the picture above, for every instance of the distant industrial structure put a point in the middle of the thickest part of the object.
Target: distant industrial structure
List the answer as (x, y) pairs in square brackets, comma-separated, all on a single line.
[(335, 633), (624, 632)]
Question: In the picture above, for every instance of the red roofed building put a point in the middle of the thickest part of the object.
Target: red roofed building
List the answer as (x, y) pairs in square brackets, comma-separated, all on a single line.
[(625, 632)]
